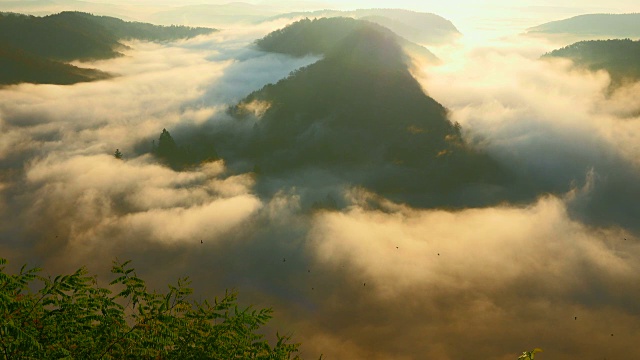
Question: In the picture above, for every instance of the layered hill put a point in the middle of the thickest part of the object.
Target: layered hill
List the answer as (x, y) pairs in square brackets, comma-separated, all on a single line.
[(418, 27), (360, 114), (592, 26), (620, 58), (38, 47)]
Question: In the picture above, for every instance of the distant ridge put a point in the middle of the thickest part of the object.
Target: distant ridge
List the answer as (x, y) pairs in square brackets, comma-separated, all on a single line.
[(592, 26)]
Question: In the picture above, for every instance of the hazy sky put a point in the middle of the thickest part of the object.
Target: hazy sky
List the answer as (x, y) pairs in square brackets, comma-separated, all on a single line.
[(450, 8), (468, 15)]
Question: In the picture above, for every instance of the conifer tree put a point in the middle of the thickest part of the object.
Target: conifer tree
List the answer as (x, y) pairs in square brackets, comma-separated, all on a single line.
[(167, 147)]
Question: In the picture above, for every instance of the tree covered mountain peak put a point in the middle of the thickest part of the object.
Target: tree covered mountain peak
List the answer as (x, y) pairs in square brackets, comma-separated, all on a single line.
[(360, 114)]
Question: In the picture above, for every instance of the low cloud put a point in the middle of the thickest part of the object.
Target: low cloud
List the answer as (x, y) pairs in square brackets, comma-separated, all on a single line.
[(99, 201), (549, 122), (58, 145), (475, 283)]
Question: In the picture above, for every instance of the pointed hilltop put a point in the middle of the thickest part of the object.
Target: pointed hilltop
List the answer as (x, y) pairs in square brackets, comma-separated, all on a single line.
[(360, 113)]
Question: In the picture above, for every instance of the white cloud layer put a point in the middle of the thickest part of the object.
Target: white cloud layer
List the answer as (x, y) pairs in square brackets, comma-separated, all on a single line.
[(458, 279)]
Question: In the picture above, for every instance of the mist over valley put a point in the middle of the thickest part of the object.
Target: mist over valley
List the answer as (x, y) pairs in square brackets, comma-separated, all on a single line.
[(392, 185)]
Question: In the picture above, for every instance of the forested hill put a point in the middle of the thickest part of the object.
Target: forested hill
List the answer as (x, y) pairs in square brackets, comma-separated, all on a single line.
[(360, 114), (40, 45), (620, 57), (321, 36), (420, 27), (593, 25), (78, 36)]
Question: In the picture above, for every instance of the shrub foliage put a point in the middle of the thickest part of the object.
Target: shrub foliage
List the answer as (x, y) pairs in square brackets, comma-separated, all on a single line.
[(72, 317)]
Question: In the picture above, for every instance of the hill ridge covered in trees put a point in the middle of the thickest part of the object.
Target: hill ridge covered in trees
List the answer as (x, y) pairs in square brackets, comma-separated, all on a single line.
[(619, 57), (36, 49)]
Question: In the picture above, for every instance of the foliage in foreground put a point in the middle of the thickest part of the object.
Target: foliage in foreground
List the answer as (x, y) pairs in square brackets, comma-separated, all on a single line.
[(71, 317)]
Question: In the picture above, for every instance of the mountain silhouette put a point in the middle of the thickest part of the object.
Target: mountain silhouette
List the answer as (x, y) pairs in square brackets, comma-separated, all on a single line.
[(360, 113)]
